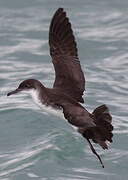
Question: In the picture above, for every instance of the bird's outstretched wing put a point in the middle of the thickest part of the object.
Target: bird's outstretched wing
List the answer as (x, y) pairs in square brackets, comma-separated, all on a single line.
[(68, 74), (78, 116)]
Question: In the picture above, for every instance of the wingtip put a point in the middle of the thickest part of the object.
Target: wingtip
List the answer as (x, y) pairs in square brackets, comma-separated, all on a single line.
[(60, 9)]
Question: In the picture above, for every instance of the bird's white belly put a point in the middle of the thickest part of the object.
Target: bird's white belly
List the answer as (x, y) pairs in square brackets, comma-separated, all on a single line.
[(52, 111)]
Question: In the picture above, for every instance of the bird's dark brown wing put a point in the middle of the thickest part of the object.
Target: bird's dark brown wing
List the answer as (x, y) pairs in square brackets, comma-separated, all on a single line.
[(78, 116), (63, 50)]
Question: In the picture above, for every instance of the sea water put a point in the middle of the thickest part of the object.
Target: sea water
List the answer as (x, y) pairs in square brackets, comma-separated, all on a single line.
[(35, 145)]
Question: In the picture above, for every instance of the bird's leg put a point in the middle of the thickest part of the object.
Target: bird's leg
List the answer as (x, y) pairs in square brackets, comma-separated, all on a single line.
[(94, 151)]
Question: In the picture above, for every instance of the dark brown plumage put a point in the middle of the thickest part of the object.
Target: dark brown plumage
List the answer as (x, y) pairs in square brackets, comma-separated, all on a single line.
[(69, 76), (69, 86)]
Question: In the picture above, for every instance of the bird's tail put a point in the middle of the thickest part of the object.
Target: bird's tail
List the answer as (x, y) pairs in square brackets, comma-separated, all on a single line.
[(102, 133)]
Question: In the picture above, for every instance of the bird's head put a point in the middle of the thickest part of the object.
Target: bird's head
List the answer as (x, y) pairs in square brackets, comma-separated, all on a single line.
[(26, 86)]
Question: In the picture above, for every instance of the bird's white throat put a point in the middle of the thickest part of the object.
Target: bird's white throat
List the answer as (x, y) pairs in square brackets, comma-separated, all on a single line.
[(48, 109)]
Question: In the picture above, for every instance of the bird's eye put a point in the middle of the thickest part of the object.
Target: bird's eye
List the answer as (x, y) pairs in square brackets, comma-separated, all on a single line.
[(28, 86)]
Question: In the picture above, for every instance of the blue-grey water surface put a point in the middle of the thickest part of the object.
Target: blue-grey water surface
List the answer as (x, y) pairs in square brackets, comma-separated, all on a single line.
[(34, 145)]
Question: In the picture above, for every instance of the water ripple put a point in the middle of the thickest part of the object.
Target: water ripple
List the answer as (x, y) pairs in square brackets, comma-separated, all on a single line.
[(27, 157)]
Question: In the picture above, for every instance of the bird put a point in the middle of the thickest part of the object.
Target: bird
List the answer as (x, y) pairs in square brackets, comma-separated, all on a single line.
[(66, 95)]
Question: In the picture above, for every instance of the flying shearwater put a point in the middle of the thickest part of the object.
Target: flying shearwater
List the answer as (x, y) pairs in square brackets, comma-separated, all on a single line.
[(66, 94)]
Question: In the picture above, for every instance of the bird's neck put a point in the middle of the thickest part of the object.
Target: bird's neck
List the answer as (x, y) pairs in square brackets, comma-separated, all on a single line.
[(39, 95), (43, 95)]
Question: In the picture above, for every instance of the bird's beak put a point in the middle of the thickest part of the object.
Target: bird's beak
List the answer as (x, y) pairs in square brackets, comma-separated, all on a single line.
[(14, 92)]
